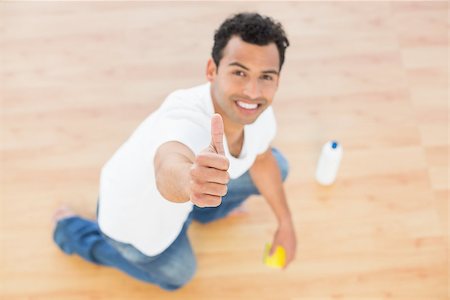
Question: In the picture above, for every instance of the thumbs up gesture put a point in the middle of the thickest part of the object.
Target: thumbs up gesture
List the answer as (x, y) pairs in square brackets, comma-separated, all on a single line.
[(209, 172)]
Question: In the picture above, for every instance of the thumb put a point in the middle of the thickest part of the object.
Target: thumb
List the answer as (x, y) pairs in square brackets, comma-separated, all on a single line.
[(217, 134), (272, 249)]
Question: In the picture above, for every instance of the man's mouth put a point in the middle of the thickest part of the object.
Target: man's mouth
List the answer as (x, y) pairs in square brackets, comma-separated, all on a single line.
[(249, 106)]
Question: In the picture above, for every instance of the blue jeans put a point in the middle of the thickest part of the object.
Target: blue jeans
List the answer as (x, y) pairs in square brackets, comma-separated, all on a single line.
[(172, 268)]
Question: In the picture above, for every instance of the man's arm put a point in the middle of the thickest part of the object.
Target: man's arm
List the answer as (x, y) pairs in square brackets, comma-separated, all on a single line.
[(266, 175)]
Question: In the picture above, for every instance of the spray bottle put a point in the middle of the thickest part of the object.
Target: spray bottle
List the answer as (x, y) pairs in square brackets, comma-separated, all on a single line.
[(329, 161)]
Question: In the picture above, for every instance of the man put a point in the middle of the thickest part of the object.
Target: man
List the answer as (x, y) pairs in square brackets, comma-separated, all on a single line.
[(199, 156)]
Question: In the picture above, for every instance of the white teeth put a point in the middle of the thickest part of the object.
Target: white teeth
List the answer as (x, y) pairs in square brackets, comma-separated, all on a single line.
[(247, 105)]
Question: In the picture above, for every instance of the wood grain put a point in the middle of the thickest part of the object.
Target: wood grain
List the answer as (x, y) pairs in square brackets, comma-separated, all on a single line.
[(76, 78)]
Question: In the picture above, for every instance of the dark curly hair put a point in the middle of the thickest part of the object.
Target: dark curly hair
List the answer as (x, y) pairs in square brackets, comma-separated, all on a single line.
[(251, 28)]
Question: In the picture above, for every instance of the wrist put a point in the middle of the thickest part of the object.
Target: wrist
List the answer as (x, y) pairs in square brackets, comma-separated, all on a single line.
[(285, 221)]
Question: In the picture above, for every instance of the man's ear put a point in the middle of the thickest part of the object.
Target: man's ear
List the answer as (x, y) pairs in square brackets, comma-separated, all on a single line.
[(211, 70)]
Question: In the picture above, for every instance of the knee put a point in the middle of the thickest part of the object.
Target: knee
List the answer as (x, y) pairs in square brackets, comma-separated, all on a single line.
[(177, 275), (283, 164)]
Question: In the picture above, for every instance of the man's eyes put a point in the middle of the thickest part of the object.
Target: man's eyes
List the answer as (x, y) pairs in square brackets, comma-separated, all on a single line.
[(267, 77), (242, 74)]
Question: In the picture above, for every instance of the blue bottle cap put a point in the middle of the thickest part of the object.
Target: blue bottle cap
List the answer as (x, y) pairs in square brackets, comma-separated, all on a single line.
[(334, 144)]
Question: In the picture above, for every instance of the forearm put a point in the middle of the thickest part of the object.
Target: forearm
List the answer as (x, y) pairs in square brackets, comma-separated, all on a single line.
[(173, 162), (172, 181), (266, 176)]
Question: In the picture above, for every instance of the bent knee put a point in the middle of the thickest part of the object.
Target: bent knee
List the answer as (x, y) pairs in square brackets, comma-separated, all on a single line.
[(176, 276)]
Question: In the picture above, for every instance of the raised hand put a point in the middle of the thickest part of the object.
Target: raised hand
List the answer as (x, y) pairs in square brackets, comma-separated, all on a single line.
[(209, 173)]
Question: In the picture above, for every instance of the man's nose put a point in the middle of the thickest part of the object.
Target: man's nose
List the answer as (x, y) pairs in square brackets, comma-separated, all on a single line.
[(252, 89)]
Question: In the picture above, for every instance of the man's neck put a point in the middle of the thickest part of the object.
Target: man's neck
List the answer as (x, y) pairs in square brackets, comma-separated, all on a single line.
[(232, 130), (234, 134)]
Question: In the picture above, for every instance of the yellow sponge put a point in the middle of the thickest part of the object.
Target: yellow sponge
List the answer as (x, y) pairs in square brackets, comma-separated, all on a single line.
[(278, 258)]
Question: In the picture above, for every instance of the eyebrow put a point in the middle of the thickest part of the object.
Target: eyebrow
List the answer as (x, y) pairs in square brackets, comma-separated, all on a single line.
[(245, 68)]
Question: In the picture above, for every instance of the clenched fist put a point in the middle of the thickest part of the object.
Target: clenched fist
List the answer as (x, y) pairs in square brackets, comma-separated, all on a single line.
[(209, 173)]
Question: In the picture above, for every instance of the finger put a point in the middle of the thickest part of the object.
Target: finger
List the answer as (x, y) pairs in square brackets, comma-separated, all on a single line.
[(206, 174), (272, 250), (289, 258), (210, 188), (202, 200), (212, 160), (217, 133)]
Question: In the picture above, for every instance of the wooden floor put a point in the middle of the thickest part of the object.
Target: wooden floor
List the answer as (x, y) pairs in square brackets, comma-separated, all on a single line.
[(77, 78)]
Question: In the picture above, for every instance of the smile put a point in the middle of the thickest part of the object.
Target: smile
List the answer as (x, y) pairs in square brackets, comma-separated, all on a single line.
[(249, 106)]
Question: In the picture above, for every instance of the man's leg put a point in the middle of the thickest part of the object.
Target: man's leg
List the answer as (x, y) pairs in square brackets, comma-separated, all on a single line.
[(239, 190), (171, 269)]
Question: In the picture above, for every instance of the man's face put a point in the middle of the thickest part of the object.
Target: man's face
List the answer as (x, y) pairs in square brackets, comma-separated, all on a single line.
[(245, 82)]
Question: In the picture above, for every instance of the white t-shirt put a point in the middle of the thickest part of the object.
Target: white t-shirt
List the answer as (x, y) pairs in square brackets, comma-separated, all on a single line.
[(131, 209)]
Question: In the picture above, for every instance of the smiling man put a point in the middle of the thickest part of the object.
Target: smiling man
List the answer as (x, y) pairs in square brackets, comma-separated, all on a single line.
[(199, 156)]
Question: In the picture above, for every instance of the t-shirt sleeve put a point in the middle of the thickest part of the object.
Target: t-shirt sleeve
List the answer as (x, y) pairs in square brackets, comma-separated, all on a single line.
[(183, 125)]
